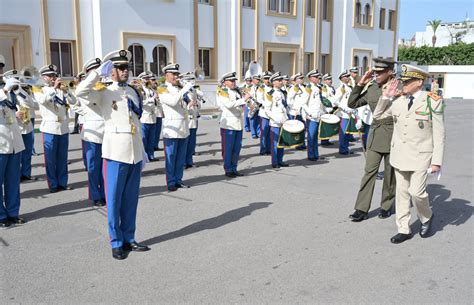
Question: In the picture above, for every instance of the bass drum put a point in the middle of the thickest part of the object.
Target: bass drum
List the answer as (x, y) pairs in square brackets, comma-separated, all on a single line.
[(365, 114)]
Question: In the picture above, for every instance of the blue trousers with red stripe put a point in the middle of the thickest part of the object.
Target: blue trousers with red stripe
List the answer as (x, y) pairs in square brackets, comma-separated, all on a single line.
[(246, 119), (122, 186), (9, 185), (231, 144), (149, 139), (255, 126), (26, 154), (55, 158), (94, 170), (265, 136), (159, 123), (343, 137), (191, 146), (312, 133), (175, 155), (277, 153)]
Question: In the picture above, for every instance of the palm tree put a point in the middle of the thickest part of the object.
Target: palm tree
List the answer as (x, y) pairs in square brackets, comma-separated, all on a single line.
[(434, 25)]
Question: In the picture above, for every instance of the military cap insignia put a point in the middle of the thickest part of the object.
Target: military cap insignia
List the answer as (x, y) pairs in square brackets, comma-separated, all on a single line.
[(51, 67), (123, 53)]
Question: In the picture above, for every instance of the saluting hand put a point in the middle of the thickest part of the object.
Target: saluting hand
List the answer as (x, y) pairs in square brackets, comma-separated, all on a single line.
[(366, 78), (391, 90)]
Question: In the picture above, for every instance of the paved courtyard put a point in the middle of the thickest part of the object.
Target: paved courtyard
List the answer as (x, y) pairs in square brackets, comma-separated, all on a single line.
[(274, 236)]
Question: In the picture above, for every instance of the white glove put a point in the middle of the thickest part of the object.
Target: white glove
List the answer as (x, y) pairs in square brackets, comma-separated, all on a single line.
[(105, 69), (10, 83), (186, 88)]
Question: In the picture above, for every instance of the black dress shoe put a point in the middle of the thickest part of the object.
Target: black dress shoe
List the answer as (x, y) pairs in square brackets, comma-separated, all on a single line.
[(65, 188), (384, 214), (28, 178), (230, 175), (118, 253), (268, 153), (358, 216), (172, 188), (283, 164), (238, 174), (426, 228), (400, 237), (16, 220), (99, 203), (187, 166), (276, 166), (181, 185), (134, 246), (5, 223), (55, 190)]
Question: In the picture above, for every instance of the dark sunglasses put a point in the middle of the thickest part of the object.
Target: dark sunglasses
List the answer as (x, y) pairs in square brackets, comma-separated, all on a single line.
[(121, 67)]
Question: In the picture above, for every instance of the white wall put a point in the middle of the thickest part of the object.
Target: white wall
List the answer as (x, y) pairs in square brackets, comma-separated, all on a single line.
[(61, 20), (13, 12), (458, 80), (206, 26)]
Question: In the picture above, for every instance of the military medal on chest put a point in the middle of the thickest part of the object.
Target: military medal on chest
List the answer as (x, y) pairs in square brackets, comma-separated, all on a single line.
[(421, 125), (114, 105)]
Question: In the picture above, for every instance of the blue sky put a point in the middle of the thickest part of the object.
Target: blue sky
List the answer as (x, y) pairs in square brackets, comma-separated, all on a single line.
[(414, 14)]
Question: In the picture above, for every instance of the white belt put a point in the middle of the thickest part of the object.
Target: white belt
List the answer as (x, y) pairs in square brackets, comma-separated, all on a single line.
[(118, 129)]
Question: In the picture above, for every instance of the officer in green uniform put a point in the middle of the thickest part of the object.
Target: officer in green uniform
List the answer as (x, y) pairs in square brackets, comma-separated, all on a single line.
[(368, 91)]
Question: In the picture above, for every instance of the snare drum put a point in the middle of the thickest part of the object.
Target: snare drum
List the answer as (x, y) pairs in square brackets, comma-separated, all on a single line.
[(328, 126), (291, 134)]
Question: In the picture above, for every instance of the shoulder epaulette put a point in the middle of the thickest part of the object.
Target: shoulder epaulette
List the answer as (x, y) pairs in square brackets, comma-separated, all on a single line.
[(99, 86), (36, 89), (269, 95), (434, 96), (162, 89), (366, 87), (261, 89), (324, 89), (222, 92)]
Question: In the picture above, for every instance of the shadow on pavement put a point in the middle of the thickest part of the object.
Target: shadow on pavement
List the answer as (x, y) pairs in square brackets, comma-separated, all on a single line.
[(210, 223)]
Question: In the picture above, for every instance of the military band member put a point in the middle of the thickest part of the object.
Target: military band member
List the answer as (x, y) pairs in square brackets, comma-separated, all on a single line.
[(417, 145), (175, 126), (193, 100), (328, 92), (246, 87), (24, 103), (54, 100), (278, 114), (231, 102), (368, 92), (122, 147), (10, 155), (158, 113), (340, 100), (92, 135), (265, 148), (312, 113), (254, 107), (298, 95), (354, 76), (148, 118)]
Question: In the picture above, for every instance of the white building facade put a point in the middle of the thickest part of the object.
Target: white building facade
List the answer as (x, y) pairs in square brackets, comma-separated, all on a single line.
[(446, 34), (216, 35)]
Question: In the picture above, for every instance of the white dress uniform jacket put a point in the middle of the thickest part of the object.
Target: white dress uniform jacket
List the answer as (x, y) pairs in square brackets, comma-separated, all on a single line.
[(122, 133), (265, 104), (340, 100), (298, 95), (149, 106), (193, 111), (175, 121), (55, 119), (25, 101), (93, 124), (10, 136), (314, 109), (277, 112), (418, 134), (232, 107)]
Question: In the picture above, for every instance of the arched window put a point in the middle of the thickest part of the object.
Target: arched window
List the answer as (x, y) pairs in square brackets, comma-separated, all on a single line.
[(365, 64), (355, 61), (367, 15), (160, 59), (358, 11), (137, 64)]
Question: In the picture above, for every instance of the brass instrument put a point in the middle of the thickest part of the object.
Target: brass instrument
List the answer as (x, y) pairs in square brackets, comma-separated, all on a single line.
[(25, 115)]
